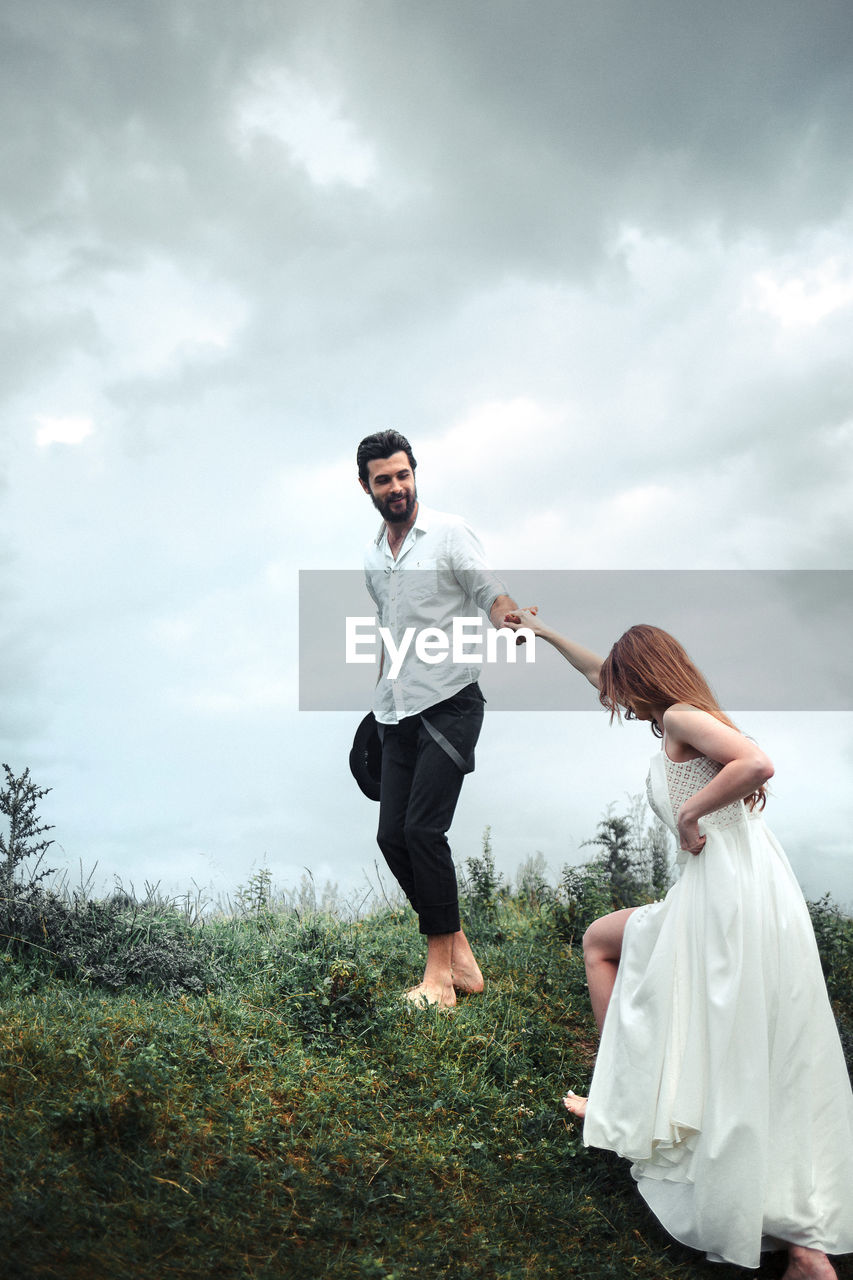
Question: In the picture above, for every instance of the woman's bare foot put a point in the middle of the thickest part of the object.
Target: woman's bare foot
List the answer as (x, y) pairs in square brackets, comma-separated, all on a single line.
[(426, 993), (574, 1103), (808, 1264)]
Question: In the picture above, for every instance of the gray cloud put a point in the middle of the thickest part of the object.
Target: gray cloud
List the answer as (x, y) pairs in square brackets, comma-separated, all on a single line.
[(548, 125), (570, 249)]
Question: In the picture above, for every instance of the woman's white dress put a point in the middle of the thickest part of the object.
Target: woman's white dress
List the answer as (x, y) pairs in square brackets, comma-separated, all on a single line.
[(720, 1073)]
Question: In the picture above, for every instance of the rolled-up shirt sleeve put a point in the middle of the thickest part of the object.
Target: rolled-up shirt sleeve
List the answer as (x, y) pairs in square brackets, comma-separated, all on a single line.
[(472, 571)]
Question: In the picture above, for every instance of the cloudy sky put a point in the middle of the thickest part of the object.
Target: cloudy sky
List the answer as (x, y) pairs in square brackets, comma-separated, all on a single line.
[(594, 259)]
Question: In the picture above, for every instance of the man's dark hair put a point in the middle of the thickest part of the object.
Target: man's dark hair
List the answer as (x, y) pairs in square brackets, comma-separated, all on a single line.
[(382, 444)]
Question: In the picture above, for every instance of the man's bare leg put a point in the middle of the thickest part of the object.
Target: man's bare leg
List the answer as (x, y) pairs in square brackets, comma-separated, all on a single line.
[(466, 972), (436, 986), (602, 949), (450, 967)]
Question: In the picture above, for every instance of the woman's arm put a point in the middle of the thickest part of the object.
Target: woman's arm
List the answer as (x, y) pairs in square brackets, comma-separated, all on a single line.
[(583, 660), (745, 766)]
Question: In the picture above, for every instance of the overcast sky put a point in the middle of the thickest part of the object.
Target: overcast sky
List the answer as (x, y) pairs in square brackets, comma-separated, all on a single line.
[(594, 259)]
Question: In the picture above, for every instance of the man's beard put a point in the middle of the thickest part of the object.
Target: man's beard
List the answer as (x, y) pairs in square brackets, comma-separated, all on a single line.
[(383, 506)]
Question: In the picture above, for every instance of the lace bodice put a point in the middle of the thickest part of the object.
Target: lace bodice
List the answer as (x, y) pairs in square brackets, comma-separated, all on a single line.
[(683, 780)]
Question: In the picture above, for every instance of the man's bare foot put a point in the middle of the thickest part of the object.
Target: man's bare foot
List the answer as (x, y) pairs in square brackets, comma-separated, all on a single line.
[(467, 977), (427, 993), (808, 1264), (574, 1103)]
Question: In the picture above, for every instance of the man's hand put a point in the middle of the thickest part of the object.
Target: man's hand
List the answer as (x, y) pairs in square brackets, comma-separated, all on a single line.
[(502, 610), (517, 618), (521, 617)]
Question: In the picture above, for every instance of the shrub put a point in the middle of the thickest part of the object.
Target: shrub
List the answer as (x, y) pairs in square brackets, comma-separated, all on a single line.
[(834, 934), (481, 889), (18, 800), (324, 980), (532, 886), (584, 894), (618, 858)]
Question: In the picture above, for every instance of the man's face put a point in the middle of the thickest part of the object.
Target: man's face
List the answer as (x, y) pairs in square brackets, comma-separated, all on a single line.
[(391, 485)]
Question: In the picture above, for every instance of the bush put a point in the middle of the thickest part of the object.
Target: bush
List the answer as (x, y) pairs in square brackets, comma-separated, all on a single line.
[(115, 943)]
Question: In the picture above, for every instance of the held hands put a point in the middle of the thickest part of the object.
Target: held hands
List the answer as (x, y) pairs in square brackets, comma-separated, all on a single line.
[(506, 613), (521, 618)]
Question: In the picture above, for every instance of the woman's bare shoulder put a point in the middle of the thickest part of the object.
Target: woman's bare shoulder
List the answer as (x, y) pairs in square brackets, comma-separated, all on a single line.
[(690, 727), (683, 717)]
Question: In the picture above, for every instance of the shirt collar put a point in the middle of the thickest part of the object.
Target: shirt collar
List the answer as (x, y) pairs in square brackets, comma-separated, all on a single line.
[(423, 520)]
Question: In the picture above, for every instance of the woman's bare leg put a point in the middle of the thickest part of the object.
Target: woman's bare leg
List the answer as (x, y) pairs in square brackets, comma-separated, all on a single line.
[(602, 949)]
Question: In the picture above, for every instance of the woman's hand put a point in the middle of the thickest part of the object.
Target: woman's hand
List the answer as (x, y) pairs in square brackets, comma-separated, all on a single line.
[(688, 834), (522, 618)]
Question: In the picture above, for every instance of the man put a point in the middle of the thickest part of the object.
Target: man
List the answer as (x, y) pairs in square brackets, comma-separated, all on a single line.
[(423, 569)]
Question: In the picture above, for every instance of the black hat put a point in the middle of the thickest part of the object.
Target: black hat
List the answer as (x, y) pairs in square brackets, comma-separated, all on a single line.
[(365, 758)]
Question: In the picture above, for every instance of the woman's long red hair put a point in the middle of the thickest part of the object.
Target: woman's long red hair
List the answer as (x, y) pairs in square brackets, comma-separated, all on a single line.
[(649, 665)]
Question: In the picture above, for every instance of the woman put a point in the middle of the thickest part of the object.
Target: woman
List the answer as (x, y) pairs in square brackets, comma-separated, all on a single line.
[(720, 1073)]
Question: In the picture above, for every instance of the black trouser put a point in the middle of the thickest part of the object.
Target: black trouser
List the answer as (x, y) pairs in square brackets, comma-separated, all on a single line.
[(419, 790)]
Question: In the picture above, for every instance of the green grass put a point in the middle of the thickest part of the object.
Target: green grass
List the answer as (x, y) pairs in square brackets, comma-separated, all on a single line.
[(297, 1120)]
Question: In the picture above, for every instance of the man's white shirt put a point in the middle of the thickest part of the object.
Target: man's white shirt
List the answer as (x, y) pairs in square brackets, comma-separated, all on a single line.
[(440, 574)]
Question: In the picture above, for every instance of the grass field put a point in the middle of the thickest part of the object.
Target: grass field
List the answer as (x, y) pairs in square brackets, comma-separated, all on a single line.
[(243, 1093), (294, 1119)]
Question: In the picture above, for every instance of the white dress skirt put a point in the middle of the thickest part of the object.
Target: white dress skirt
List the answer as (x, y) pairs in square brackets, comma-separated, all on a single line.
[(720, 1072)]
